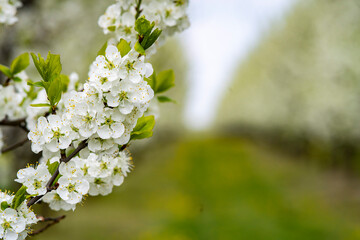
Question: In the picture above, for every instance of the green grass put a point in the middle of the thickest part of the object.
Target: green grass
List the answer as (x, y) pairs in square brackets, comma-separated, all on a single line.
[(218, 189)]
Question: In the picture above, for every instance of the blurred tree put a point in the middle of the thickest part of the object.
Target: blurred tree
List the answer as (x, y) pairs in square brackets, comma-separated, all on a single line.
[(303, 81)]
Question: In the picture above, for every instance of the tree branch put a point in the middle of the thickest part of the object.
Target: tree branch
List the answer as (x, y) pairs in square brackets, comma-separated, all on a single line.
[(52, 221), (7, 82), (7, 122), (63, 159), (15, 123), (14, 146)]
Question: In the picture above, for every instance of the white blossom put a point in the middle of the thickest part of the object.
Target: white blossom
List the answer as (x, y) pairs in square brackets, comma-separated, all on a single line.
[(8, 11), (168, 15), (100, 186), (10, 103), (71, 190), (53, 133), (56, 203), (35, 179), (110, 124)]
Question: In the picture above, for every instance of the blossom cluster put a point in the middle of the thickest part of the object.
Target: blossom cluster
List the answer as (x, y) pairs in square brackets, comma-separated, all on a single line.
[(168, 15), (14, 99), (107, 109), (8, 11), (14, 222), (103, 114), (93, 175)]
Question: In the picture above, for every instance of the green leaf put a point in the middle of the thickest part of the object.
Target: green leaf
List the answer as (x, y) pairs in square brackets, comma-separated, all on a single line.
[(64, 82), (111, 28), (19, 197), (152, 81), (4, 205), (49, 69), (102, 49), (139, 48), (164, 81), (54, 91), (123, 47), (32, 93), (150, 39), (40, 105), (20, 63), (17, 79), (36, 84), (142, 26), (52, 167), (147, 36), (5, 70), (163, 99), (57, 178), (144, 128)]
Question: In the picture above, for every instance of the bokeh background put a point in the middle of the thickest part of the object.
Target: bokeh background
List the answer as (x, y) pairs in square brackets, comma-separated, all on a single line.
[(263, 142)]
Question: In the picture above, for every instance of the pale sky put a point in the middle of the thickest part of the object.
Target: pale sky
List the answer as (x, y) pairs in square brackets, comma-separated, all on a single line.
[(222, 33)]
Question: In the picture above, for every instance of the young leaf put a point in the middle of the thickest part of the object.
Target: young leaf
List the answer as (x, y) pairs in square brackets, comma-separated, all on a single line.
[(20, 63), (150, 39), (139, 48), (144, 128), (147, 36), (19, 197), (57, 178), (5, 70), (163, 99), (17, 79), (48, 69), (64, 82), (142, 26), (52, 167), (102, 49), (164, 81), (111, 28), (36, 84), (123, 47), (40, 105), (54, 91), (4, 205), (152, 81)]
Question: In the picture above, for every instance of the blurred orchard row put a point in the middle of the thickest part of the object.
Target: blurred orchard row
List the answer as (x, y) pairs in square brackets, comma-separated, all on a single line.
[(300, 88)]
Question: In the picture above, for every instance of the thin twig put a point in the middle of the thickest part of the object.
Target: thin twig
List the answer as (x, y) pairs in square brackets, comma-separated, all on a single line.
[(123, 147), (138, 10), (64, 159), (7, 82), (52, 221), (14, 146)]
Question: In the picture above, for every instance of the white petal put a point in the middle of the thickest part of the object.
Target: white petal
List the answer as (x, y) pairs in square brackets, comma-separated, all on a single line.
[(54, 121), (104, 132), (118, 129), (83, 187), (118, 180), (53, 146), (10, 235), (111, 53), (149, 70)]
